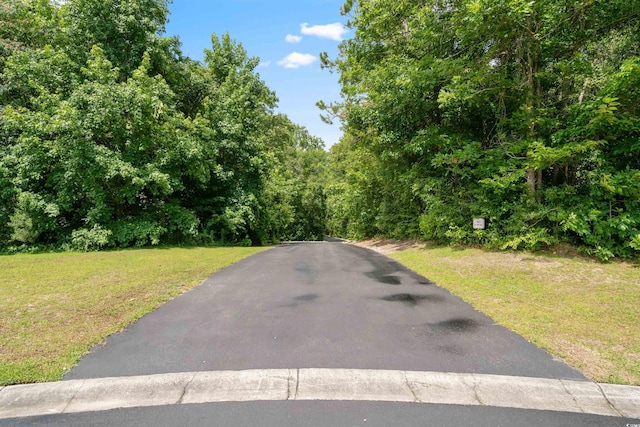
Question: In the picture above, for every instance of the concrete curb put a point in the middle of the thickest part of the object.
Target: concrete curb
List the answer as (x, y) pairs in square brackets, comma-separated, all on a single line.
[(102, 394)]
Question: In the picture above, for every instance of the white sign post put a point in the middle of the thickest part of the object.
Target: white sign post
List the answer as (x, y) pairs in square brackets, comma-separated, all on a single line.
[(479, 224)]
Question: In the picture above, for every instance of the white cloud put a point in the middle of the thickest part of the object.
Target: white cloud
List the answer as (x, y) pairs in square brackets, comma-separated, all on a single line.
[(264, 64), (297, 60), (330, 31), (292, 39)]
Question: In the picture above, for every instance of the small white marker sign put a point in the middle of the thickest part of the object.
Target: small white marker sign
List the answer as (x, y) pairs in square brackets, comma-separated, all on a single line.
[(479, 224)]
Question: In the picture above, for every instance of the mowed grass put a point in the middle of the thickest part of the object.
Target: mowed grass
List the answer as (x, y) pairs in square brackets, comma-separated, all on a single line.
[(54, 307), (585, 312)]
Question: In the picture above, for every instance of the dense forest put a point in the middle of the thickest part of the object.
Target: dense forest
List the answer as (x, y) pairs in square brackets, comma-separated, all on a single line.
[(110, 137), (525, 113)]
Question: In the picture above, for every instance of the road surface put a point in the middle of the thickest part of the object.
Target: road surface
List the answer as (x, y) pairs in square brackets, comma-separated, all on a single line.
[(377, 331)]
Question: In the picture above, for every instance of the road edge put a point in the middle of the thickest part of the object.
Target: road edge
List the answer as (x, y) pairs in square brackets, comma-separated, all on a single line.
[(100, 394)]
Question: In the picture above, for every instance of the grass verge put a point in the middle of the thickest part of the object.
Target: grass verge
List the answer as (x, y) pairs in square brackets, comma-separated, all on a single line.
[(54, 307), (585, 312)]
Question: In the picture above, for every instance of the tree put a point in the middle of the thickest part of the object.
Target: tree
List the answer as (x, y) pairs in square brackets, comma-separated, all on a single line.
[(109, 158), (26, 23), (109, 137), (123, 29), (490, 108), (235, 108), (295, 202)]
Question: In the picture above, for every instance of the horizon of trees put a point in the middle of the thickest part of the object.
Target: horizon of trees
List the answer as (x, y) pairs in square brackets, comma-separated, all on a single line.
[(523, 113)]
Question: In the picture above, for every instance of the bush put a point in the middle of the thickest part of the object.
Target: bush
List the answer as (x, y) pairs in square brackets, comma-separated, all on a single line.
[(90, 239)]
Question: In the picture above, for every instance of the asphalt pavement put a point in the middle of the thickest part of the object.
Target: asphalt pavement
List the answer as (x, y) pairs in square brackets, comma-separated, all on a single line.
[(318, 305), (322, 414), (327, 334)]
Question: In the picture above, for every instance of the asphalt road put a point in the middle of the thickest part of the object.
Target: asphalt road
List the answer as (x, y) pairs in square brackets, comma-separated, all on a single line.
[(318, 305), (321, 414)]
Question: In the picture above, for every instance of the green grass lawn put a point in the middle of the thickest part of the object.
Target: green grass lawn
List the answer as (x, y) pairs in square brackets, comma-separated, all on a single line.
[(585, 312), (54, 307)]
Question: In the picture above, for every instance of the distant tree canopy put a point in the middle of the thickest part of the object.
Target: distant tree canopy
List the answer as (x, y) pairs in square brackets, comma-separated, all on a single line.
[(525, 113), (109, 137)]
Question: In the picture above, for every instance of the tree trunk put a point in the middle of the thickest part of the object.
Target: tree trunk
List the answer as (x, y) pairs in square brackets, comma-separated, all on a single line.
[(539, 186), (534, 176), (531, 183)]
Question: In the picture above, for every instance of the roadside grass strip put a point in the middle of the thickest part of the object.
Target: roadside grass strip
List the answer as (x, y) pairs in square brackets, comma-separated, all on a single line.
[(585, 312), (55, 307), (101, 394)]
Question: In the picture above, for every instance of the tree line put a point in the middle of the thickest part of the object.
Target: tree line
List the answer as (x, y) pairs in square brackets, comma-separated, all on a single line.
[(525, 113), (111, 138)]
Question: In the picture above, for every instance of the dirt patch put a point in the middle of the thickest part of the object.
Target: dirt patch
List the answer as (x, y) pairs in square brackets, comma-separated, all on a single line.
[(388, 246), (511, 259), (589, 361)]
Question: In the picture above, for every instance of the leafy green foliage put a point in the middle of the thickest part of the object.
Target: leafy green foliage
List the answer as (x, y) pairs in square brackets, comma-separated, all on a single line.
[(523, 113), (110, 138), (123, 29)]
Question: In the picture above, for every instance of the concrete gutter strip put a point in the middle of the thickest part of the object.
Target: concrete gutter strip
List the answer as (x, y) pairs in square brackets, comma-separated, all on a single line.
[(239, 386), (624, 398), (37, 399), (319, 384), (352, 384)]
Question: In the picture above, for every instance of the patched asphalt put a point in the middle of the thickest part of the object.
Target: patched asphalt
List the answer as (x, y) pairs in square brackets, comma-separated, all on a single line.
[(318, 305)]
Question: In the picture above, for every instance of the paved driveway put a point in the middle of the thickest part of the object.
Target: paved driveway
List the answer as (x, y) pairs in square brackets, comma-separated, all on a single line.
[(318, 305), (396, 350)]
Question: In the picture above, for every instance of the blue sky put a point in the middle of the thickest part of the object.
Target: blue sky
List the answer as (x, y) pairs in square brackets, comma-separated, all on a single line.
[(287, 36)]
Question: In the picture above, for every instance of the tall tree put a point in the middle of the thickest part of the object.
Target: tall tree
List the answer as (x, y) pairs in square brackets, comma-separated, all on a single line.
[(236, 107), (109, 137), (486, 107), (123, 29)]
